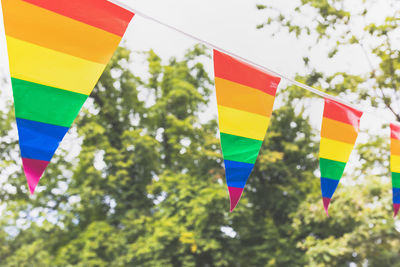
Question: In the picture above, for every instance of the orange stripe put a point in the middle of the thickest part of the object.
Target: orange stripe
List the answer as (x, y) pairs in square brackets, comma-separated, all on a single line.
[(394, 146), (338, 131), (48, 29), (238, 96)]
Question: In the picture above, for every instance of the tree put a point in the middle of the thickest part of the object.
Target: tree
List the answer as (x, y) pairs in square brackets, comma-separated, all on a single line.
[(361, 229), (340, 24), (144, 184)]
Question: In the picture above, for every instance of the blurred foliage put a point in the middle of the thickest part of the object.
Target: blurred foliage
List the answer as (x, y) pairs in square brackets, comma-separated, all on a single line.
[(360, 231), (339, 24), (147, 186)]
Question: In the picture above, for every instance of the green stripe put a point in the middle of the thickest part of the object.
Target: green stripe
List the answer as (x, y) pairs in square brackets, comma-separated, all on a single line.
[(395, 180), (46, 104), (331, 169), (241, 149)]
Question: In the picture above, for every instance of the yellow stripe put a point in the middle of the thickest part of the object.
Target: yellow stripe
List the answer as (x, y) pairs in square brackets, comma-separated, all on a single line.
[(395, 163), (242, 123), (41, 65), (335, 150)]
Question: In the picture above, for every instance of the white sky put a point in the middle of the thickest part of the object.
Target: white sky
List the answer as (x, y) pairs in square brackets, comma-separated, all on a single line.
[(230, 24)]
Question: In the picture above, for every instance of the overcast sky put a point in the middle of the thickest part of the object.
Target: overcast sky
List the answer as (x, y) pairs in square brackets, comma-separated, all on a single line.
[(230, 24)]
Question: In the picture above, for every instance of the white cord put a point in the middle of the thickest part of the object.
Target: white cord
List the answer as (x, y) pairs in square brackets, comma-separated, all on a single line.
[(265, 69)]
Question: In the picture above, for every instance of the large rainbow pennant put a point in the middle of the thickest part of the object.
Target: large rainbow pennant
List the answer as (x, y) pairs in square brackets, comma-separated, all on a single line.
[(339, 131), (245, 98), (57, 51), (395, 165)]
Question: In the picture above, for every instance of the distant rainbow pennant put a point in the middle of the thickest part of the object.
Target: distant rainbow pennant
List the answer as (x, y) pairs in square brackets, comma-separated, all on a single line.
[(57, 51), (339, 131), (395, 165), (245, 98)]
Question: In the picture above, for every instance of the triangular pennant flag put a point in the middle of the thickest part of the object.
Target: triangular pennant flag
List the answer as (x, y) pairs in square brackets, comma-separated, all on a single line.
[(339, 131), (395, 165), (57, 51), (245, 98)]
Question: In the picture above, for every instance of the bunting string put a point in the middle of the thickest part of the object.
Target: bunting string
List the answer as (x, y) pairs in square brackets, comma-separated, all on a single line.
[(256, 65)]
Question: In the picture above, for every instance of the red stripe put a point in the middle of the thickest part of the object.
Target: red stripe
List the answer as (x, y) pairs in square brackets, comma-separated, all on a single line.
[(395, 131), (98, 13), (340, 112), (231, 69)]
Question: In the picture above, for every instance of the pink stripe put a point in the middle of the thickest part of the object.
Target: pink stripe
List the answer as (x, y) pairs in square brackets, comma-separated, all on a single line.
[(234, 195), (326, 201), (396, 208), (33, 169)]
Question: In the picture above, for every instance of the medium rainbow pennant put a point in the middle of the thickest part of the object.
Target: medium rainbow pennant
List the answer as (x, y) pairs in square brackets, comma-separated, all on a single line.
[(245, 98), (395, 165), (339, 131), (57, 51)]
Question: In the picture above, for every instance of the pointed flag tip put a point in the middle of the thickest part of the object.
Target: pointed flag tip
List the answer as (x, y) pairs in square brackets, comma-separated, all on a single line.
[(33, 169), (234, 196), (326, 201), (396, 208)]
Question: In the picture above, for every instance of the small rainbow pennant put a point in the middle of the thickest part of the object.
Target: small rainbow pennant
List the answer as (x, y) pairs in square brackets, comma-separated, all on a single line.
[(339, 131), (395, 165), (245, 98)]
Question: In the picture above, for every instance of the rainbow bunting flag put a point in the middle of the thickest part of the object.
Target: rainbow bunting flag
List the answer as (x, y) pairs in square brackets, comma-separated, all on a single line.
[(245, 98), (57, 51), (395, 165), (339, 131)]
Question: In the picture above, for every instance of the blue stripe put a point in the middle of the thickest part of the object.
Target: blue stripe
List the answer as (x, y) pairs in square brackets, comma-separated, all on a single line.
[(39, 140), (396, 195), (237, 173), (328, 187)]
